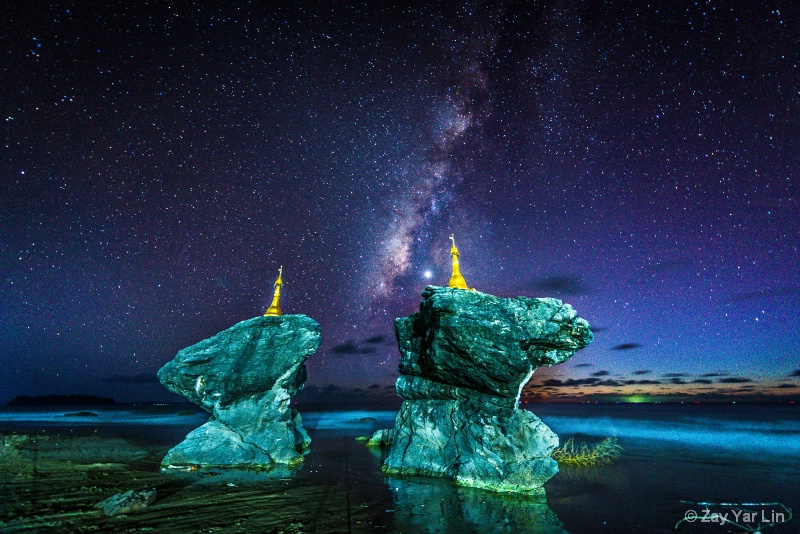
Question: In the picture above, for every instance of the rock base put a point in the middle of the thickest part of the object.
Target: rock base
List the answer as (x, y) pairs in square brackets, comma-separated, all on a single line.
[(509, 450), (216, 445)]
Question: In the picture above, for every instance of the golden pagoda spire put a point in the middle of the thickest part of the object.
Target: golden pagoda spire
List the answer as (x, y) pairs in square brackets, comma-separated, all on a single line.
[(275, 308), (456, 279)]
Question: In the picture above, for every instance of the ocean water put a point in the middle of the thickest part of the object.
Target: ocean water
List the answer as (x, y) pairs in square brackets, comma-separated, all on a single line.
[(134, 415), (674, 456), (767, 430)]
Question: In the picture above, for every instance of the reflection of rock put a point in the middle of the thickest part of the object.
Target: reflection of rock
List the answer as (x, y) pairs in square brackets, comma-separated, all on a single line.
[(603, 475), (127, 502), (465, 357), (245, 376), (436, 505)]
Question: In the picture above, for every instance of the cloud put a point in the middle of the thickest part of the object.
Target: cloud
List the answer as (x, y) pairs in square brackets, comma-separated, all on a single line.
[(141, 378), (733, 380), (583, 365), (678, 381), (366, 346), (796, 373), (350, 347), (702, 381), (565, 285), (764, 294), (642, 382), (626, 346), (786, 386), (711, 375), (674, 375), (576, 382), (601, 373), (642, 372), (609, 383), (570, 382)]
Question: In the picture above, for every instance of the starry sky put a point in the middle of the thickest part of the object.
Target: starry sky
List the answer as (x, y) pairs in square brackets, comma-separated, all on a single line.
[(160, 161)]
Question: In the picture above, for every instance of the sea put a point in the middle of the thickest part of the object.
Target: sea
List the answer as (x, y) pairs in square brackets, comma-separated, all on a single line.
[(693, 467)]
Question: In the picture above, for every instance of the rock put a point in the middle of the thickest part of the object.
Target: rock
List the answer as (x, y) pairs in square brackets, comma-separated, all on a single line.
[(464, 358), (381, 438), (127, 502), (245, 376)]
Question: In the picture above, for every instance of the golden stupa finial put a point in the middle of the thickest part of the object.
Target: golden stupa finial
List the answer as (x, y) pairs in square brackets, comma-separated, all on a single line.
[(275, 308), (456, 279)]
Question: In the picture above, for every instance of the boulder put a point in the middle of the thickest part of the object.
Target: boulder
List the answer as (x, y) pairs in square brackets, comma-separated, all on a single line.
[(127, 502), (464, 358), (245, 377), (381, 438)]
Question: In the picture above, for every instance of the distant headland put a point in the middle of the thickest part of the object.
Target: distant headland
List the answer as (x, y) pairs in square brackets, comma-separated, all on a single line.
[(61, 400)]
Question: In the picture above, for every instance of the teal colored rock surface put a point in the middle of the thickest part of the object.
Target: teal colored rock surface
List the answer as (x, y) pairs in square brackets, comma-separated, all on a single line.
[(127, 502), (381, 438), (464, 358), (245, 377)]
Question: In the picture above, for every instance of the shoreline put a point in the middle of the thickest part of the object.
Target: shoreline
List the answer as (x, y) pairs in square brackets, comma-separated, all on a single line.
[(61, 471)]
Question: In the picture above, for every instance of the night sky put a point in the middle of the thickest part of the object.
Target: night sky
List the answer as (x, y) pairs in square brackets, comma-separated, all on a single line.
[(160, 161)]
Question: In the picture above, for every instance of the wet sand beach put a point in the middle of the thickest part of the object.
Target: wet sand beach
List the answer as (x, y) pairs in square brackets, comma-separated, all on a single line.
[(58, 486), (52, 476)]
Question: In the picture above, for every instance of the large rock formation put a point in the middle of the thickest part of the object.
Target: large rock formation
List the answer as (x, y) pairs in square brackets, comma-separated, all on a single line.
[(464, 358), (245, 376)]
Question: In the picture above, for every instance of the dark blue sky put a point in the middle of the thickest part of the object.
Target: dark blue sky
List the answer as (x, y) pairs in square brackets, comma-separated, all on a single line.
[(159, 163)]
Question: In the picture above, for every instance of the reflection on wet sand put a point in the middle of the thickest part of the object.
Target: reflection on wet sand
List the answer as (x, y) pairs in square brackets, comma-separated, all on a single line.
[(52, 475), (58, 479), (438, 505)]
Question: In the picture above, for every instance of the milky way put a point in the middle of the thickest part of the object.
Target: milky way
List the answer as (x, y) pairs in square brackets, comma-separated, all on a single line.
[(454, 124)]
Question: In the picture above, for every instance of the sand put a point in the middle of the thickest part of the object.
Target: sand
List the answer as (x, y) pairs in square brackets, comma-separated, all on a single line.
[(53, 482), (52, 475)]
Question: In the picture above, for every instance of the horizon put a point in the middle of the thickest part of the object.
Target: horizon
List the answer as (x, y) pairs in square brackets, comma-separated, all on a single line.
[(357, 398)]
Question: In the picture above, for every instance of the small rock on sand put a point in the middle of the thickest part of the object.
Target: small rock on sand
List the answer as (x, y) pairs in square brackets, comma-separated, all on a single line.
[(127, 502)]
